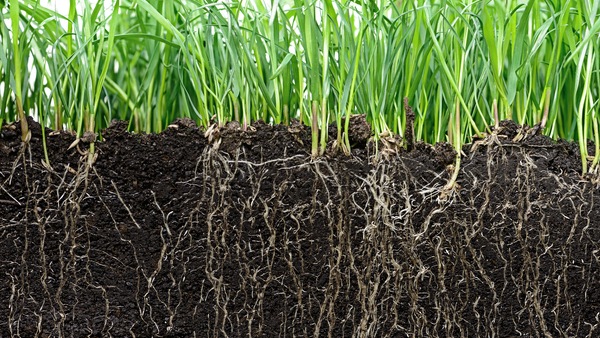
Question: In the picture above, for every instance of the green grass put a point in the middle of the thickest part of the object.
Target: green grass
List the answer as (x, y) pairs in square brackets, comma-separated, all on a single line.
[(18, 50), (151, 61)]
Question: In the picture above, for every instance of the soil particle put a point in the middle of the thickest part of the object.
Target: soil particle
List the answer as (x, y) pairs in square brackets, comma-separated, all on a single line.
[(409, 132), (170, 235), (445, 153), (508, 128), (34, 128), (359, 130), (234, 125), (184, 122), (88, 137), (115, 128)]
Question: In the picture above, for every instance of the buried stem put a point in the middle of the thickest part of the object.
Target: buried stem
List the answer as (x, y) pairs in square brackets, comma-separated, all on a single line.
[(315, 128), (496, 117), (409, 134), (546, 110), (582, 120), (456, 135), (457, 146), (14, 17), (25, 133), (594, 166)]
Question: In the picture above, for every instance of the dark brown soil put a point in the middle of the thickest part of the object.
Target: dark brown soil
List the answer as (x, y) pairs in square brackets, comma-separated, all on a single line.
[(169, 235)]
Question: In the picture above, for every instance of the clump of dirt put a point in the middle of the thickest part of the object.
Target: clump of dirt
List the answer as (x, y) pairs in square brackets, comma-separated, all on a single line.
[(445, 153), (359, 131), (509, 128), (238, 232), (185, 122)]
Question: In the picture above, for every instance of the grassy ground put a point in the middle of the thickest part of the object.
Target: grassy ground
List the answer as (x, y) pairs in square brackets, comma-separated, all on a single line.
[(463, 65), (221, 225)]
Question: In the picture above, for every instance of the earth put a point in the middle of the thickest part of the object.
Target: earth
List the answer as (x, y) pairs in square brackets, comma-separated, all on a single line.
[(240, 233)]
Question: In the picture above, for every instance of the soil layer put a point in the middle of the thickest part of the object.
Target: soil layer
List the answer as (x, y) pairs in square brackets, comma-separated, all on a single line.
[(232, 233)]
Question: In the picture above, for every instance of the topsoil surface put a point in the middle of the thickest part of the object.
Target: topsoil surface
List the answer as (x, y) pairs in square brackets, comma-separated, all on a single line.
[(170, 235)]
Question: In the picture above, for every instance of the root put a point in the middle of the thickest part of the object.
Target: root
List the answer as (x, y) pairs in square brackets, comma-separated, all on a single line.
[(448, 192)]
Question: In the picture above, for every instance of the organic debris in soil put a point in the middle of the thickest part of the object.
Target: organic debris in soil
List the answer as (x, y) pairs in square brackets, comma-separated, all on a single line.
[(170, 236)]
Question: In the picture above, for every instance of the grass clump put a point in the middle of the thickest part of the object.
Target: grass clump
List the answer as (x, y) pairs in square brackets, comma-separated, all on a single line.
[(463, 65)]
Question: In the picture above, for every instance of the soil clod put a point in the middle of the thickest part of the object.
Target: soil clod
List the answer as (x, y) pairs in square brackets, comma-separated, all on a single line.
[(359, 131), (409, 133)]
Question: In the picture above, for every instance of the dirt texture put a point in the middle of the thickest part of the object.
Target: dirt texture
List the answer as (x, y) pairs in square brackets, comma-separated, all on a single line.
[(232, 233)]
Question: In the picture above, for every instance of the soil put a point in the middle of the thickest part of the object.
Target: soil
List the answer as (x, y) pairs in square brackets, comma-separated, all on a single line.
[(170, 235)]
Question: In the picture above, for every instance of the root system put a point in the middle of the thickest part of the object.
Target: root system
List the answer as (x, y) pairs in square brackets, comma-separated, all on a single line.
[(170, 236)]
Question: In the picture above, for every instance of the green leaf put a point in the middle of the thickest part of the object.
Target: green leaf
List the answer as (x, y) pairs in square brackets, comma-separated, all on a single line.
[(282, 66)]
